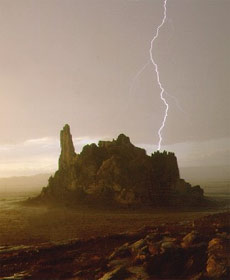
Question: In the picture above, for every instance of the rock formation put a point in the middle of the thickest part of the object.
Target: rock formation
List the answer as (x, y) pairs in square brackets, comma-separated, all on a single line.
[(68, 154), (118, 172)]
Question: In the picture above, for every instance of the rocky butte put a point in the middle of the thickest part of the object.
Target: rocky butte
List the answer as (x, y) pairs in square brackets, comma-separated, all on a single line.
[(118, 173)]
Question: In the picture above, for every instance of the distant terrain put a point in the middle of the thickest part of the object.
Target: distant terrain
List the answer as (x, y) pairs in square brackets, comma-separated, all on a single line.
[(24, 183), (213, 179)]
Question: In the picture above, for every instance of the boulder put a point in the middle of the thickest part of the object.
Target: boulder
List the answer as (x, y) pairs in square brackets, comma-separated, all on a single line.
[(190, 239), (121, 252), (218, 263)]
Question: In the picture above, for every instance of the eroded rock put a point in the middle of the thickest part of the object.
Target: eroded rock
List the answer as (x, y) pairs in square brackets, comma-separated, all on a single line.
[(116, 173), (218, 264), (118, 273), (190, 239), (66, 159)]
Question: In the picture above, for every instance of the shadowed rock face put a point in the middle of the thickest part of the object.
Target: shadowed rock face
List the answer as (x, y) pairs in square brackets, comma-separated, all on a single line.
[(118, 172)]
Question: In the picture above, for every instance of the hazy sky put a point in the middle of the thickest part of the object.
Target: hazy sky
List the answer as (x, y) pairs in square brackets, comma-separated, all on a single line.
[(75, 62)]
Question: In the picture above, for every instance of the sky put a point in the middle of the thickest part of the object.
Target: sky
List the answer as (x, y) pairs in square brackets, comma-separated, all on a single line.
[(76, 61)]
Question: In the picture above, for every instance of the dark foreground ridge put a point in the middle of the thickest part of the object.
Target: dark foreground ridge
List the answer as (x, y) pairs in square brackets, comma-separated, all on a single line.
[(195, 250), (117, 173)]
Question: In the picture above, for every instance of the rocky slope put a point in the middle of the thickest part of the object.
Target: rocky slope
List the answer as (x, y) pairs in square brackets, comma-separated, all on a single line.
[(118, 173), (197, 250)]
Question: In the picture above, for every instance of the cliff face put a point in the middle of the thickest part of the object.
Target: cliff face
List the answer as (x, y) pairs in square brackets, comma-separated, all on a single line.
[(118, 172)]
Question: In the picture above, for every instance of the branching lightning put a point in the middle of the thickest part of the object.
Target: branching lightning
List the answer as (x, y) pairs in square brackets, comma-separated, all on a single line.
[(158, 76), (136, 77), (176, 102), (163, 92)]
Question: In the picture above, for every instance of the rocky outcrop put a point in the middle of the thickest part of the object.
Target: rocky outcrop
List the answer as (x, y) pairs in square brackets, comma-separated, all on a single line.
[(201, 255), (117, 172), (156, 252), (218, 263)]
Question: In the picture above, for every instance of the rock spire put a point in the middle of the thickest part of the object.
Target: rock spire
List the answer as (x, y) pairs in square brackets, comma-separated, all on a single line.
[(67, 148)]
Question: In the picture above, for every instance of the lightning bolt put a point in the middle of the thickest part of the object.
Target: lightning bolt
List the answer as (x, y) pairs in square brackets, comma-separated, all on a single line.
[(158, 76)]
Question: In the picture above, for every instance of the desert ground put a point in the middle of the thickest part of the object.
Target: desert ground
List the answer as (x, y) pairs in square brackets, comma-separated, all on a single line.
[(32, 225), (56, 243)]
